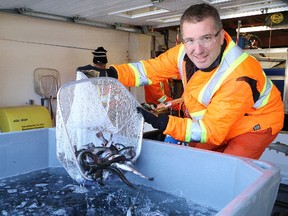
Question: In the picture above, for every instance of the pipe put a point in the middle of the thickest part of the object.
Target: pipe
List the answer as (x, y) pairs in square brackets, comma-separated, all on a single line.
[(238, 31)]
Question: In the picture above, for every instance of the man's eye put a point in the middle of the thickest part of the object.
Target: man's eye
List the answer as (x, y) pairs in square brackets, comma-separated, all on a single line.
[(189, 41), (206, 38)]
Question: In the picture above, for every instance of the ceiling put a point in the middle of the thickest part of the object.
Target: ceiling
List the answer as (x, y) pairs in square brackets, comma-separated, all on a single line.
[(119, 13)]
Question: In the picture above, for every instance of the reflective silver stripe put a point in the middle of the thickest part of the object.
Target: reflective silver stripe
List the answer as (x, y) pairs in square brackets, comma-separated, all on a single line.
[(140, 74), (162, 99), (265, 94), (198, 115), (222, 72), (199, 132), (181, 55), (196, 132)]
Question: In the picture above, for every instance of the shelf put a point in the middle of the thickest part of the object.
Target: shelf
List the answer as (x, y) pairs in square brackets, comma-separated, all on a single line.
[(267, 51)]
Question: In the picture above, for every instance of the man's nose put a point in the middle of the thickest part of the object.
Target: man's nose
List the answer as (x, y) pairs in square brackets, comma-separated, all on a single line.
[(198, 47)]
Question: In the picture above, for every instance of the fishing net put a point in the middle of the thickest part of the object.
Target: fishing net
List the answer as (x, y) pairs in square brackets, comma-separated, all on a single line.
[(46, 84), (89, 106)]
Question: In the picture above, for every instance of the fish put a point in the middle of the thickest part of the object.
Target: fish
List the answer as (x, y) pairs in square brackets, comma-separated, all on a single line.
[(121, 175), (131, 210), (129, 152), (128, 168), (102, 138), (96, 162), (87, 163)]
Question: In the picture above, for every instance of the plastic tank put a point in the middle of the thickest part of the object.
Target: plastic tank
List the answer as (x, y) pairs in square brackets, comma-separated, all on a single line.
[(234, 185), (20, 118)]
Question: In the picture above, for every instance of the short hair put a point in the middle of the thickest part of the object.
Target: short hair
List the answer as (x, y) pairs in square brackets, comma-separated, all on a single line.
[(199, 12)]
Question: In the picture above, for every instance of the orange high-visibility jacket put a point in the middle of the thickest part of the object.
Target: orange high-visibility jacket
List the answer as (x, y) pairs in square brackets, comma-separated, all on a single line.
[(157, 93), (222, 103)]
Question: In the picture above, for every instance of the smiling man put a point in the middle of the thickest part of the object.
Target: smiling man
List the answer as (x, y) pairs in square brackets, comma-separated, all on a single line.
[(231, 106)]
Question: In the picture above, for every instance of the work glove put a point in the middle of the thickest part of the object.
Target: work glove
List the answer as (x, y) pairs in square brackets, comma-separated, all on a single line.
[(91, 71), (159, 122)]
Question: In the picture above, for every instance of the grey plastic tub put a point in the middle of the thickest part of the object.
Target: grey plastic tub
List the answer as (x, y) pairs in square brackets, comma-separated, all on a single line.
[(236, 186)]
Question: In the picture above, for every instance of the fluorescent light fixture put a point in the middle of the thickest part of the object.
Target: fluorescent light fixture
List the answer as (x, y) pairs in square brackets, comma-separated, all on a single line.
[(167, 19), (243, 4), (131, 9), (140, 11), (216, 1), (80, 20), (257, 11), (128, 29), (29, 12), (258, 7), (253, 8), (150, 13), (121, 27), (261, 28)]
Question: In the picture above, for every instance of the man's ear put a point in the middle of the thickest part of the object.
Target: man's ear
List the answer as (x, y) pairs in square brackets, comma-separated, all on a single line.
[(222, 32)]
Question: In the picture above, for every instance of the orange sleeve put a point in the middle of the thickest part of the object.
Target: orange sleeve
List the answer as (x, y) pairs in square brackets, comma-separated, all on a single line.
[(155, 93), (157, 69), (177, 127)]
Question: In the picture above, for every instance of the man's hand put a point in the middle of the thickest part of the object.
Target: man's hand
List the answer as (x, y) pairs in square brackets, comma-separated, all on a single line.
[(159, 122), (109, 72), (149, 106), (90, 71)]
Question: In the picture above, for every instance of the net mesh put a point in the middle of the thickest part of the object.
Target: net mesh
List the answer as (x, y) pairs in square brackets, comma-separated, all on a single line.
[(46, 82), (88, 106)]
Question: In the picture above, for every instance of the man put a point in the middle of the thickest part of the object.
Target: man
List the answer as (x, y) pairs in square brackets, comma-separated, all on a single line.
[(160, 94), (99, 61), (100, 58), (232, 107), (157, 93)]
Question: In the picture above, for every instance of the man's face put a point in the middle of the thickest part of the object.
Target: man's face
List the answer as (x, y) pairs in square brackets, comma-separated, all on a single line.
[(202, 42), (102, 66)]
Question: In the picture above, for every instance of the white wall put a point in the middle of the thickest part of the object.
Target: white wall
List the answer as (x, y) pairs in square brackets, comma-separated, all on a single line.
[(28, 43), (138, 47)]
